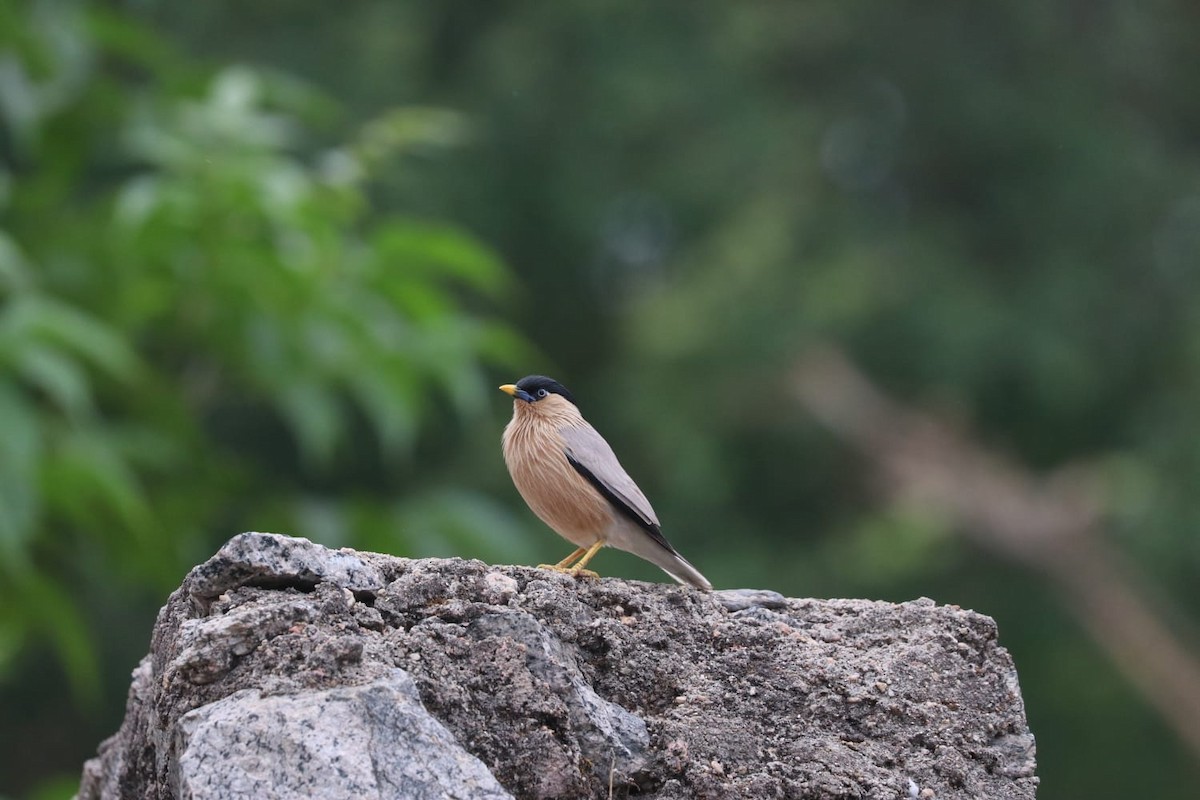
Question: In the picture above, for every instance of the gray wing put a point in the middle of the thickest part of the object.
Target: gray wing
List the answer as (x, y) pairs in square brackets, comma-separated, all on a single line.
[(592, 458)]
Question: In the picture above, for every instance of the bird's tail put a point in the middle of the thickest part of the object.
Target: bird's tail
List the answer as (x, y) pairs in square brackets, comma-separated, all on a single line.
[(625, 535), (676, 566)]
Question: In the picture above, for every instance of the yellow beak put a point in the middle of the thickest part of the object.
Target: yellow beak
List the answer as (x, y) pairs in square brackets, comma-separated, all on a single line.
[(509, 388)]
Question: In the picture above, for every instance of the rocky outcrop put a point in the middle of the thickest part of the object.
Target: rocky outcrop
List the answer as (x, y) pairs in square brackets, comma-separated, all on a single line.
[(281, 668)]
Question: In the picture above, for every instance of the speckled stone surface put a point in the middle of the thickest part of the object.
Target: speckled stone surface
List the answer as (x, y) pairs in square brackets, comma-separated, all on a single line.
[(281, 668)]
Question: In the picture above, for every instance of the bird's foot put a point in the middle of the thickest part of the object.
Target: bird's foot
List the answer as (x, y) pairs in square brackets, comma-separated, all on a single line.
[(573, 571)]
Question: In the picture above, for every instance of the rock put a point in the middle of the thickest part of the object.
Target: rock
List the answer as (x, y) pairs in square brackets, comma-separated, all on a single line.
[(371, 740), (281, 668)]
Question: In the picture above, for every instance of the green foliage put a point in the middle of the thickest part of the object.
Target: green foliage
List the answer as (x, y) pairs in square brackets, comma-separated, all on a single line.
[(183, 267)]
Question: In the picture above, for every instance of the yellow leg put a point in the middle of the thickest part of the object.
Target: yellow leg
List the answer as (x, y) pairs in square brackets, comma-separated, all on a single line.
[(562, 565), (583, 554), (578, 552), (581, 563)]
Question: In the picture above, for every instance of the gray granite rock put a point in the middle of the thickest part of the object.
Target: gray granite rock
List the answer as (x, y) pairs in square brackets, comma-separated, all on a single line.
[(352, 742), (281, 668)]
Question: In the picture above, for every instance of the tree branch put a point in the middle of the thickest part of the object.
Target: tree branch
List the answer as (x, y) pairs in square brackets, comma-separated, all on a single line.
[(1051, 524)]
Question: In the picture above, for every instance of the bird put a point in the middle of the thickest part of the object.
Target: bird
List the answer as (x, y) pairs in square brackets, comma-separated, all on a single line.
[(571, 479)]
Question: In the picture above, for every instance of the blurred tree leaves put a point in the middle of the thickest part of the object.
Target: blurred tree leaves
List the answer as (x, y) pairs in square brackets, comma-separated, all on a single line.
[(192, 286)]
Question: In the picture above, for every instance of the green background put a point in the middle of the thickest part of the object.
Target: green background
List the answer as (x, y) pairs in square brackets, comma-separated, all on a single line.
[(263, 264)]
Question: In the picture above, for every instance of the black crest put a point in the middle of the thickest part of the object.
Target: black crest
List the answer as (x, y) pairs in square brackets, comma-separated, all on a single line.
[(534, 383)]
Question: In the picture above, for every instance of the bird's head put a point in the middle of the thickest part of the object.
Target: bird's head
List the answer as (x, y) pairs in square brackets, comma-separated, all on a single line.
[(537, 393)]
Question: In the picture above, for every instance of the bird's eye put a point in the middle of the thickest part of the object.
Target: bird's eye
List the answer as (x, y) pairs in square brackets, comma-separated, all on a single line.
[(542, 393)]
